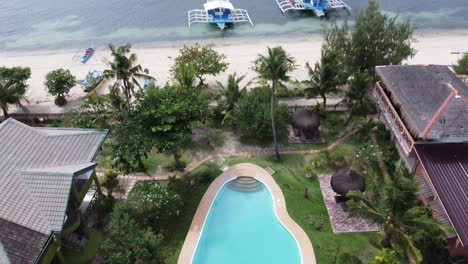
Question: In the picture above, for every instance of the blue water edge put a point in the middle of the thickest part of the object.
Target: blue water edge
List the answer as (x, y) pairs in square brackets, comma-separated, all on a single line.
[(242, 228)]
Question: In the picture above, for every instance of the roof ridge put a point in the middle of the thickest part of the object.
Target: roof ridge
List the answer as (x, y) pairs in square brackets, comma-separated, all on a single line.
[(438, 114), (39, 213), (49, 169), (39, 202)]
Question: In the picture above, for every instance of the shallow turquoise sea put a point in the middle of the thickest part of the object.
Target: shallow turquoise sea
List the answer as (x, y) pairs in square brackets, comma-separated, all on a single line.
[(46, 24), (242, 228)]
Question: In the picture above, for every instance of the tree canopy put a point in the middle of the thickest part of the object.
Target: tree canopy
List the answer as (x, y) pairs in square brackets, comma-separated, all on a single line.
[(395, 207), (462, 65), (13, 87), (205, 60), (15, 75), (168, 116), (274, 67), (58, 83), (129, 243), (129, 145), (125, 70), (377, 39), (325, 77), (153, 205), (251, 117), (357, 97), (229, 95)]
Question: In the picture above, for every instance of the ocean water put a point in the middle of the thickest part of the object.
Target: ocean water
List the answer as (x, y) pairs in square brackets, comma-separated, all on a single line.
[(242, 228), (49, 24)]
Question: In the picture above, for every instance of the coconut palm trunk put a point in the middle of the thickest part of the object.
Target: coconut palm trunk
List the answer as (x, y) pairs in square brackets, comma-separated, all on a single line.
[(272, 115), (324, 97), (127, 94), (5, 113)]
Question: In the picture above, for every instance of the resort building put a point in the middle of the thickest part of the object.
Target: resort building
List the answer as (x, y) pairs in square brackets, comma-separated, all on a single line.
[(426, 108), (47, 187)]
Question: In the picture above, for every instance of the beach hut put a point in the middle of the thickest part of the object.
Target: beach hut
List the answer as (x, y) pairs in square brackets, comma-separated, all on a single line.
[(219, 12), (347, 180), (319, 7), (305, 124)]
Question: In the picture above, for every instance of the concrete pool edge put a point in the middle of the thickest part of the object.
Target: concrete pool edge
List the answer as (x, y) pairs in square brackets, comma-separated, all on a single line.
[(249, 170)]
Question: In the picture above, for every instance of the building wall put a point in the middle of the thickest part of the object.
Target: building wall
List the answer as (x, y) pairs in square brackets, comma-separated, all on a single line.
[(411, 161), (456, 248)]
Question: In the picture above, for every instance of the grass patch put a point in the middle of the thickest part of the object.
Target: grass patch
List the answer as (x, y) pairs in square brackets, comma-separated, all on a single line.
[(90, 250), (311, 214)]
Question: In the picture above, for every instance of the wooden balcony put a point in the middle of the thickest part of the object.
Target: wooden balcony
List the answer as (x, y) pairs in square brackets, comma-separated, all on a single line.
[(393, 119)]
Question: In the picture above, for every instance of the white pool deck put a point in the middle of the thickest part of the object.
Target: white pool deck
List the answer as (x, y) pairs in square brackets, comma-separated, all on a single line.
[(246, 170)]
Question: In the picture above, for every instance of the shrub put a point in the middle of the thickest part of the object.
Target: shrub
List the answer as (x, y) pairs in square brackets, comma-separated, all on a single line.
[(346, 258), (179, 186), (153, 205), (386, 256), (59, 82), (462, 65), (111, 181), (207, 173), (252, 116), (130, 243)]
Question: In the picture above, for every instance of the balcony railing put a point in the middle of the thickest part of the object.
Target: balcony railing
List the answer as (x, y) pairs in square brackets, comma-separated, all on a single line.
[(402, 134)]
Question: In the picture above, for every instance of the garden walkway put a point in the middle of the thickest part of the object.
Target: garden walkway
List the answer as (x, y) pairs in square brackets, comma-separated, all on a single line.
[(132, 180)]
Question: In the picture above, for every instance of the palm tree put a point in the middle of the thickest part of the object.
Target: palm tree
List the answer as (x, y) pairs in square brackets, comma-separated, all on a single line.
[(125, 70), (395, 207), (11, 93), (274, 67), (230, 94), (185, 75), (357, 98), (324, 78)]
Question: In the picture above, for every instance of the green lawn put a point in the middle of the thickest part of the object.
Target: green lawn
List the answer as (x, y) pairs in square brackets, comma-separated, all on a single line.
[(310, 214)]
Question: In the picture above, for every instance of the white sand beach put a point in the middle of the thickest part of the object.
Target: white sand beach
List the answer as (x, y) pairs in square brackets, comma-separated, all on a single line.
[(433, 48)]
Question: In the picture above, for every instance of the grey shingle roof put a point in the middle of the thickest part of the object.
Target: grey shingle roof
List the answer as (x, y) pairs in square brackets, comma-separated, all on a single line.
[(420, 91), (36, 170), (20, 244)]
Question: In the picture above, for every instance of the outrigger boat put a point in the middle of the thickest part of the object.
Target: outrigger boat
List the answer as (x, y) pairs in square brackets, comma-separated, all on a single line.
[(319, 7), (88, 53), (220, 12)]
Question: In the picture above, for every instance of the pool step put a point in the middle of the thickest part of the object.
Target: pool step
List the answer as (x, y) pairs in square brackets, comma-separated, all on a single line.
[(245, 184)]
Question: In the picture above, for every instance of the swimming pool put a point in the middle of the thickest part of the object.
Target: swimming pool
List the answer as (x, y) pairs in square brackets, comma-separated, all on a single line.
[(242, 228)]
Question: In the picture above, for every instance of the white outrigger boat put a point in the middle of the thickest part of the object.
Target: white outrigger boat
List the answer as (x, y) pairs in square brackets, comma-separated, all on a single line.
[(219, 12), (319, 7)]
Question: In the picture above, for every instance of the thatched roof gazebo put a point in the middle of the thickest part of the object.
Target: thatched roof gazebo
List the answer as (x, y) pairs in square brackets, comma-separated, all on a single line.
[(345, 181), (305, 123)]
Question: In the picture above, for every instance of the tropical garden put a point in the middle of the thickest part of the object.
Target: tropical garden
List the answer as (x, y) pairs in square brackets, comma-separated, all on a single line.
[(163, 129)]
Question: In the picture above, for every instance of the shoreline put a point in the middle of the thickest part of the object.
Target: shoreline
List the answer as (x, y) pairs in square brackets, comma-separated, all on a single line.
[(158, 57)]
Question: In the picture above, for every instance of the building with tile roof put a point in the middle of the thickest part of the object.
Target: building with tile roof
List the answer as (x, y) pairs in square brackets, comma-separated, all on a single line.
[(426, 109), (42, 172)]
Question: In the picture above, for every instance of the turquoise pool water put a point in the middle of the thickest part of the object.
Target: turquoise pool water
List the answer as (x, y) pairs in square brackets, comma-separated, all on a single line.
[(242, 228)]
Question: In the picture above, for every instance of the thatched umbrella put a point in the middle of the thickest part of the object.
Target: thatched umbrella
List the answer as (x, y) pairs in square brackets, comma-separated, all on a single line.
[(305, 123), (347, 180)]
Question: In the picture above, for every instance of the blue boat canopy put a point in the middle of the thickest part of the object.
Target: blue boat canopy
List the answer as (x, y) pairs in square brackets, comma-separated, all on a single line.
[(319, 7), (220, 12)]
